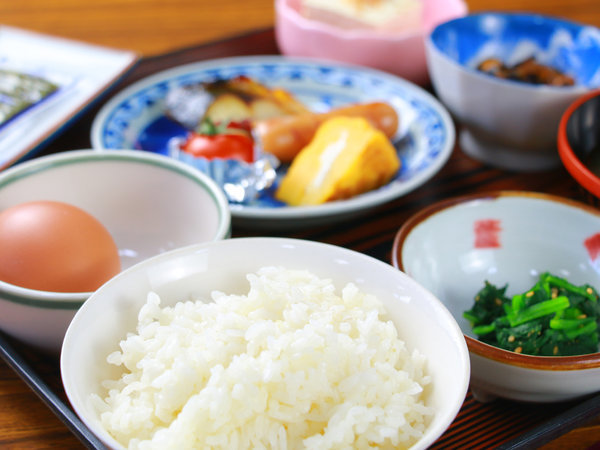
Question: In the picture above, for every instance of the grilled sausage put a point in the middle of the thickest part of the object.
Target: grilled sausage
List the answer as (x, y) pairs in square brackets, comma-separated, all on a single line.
[(285, 136)]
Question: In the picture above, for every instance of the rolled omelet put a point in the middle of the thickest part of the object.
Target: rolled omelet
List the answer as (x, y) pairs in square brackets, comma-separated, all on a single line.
[(346, 157)]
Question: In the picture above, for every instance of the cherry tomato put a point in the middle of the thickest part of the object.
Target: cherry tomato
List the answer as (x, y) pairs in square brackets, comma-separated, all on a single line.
[(225, 146)]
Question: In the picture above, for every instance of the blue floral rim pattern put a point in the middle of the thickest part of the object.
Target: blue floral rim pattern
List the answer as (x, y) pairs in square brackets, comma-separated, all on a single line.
[(423, 145)]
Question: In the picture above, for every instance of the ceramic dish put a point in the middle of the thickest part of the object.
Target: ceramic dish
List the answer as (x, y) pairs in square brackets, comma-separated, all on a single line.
[(194, 272), (81, 72), (503, 122), (424, 142), (579, 141), (400, 52), (507, 238), (148, 203)]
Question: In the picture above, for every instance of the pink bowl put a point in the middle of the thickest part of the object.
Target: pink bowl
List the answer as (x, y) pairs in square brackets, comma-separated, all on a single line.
[(401, 53)]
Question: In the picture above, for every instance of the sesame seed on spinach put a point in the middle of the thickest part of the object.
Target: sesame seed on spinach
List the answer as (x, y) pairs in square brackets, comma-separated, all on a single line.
[(553, 318)]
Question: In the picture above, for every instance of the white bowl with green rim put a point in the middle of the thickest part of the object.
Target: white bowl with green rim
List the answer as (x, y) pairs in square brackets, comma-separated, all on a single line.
[(149, 203)]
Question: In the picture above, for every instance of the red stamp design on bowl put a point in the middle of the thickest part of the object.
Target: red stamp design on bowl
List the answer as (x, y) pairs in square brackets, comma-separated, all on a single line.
[(592, 244), (487, 233)]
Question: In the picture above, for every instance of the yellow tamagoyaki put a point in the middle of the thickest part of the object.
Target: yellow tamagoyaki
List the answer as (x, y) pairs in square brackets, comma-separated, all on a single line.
[(346, 157)]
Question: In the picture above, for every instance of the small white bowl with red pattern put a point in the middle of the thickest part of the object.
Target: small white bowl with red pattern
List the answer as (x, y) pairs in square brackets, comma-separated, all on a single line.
[(507, 238)]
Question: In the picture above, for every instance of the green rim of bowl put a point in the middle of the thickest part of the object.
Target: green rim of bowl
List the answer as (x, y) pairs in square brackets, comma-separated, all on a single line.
[(73, 300)]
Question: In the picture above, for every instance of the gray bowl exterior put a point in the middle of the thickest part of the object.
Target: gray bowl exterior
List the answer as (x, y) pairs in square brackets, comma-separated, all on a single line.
[(505, 113)]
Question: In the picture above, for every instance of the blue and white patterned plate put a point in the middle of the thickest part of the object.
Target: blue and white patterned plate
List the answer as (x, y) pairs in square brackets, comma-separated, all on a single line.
[(424, 142)]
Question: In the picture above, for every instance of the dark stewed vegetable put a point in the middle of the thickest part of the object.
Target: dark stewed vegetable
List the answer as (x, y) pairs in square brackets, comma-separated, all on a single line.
[(527, 71)]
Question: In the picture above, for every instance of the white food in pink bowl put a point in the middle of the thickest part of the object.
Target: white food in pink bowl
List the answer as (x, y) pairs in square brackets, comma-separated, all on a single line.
[(396, 45)]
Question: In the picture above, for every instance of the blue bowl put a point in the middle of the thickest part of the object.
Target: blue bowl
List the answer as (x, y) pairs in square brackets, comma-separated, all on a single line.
[(570, 47), (508, 123)]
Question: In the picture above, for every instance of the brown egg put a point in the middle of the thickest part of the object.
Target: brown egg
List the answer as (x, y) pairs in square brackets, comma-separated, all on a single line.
[(54, 246)]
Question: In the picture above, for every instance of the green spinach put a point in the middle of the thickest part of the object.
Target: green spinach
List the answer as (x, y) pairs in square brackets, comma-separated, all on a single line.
[(553, 318)]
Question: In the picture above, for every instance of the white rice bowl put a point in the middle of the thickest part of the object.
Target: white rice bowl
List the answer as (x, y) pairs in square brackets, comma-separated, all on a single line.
[(234, 344), (293, 364)]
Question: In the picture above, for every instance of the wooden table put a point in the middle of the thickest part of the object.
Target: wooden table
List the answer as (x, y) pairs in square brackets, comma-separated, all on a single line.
[(153, 27)]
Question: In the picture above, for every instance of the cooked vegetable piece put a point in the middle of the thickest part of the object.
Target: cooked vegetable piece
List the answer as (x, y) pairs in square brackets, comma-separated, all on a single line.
[(234, 99), (231, 141), (524, 338), (553, 318), (241, 97), (527, 71), (537, 310), (489, 304)]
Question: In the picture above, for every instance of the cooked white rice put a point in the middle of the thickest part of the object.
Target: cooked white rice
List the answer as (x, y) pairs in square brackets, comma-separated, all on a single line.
[(292, 364)]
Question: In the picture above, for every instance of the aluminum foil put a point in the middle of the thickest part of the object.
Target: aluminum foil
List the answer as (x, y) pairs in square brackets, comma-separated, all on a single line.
[(242, 182), (187, 104)]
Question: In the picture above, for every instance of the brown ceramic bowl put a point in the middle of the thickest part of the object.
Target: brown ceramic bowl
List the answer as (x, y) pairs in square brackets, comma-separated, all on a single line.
[(507, 238)]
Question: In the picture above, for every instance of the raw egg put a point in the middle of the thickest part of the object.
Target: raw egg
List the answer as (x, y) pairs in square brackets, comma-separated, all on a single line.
[(54, 246)]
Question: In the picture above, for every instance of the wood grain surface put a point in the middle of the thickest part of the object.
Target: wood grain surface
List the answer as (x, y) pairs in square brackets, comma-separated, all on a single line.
[(153, 27)]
